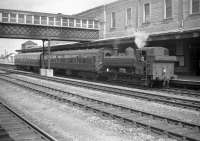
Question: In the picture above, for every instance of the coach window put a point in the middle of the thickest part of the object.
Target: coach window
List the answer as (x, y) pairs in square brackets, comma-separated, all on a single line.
[(168, 9), (90, 24), (13, 18), (43, 20), (21, 18), (58, 21), (146, 13), (78, 23), (64, 21), (84, 23), (71, 22), (36, 19), (29, 19), (5, 17), (194, 6), (51, 21)]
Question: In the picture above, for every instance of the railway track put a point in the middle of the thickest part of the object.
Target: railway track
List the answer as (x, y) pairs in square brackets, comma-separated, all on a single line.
[(172, 100), (183, 92), (171, 90), (14, 127), (162, 125), (168, 99)]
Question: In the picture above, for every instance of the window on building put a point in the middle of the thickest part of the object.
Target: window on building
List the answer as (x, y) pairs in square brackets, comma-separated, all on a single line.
[(195, 6), (13, 18), (113, 20), (96, 24), (78, 23), (84, 23), (21, 18), (51, 21), (43, 20), (29, 19), (71, 22), (90, 24), (36, 19), (128, 16), (58, 21), (64, 21), (168, 9), (146, 11), (5, 17)]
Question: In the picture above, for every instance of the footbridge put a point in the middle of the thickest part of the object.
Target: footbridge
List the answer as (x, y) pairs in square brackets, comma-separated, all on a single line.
[(46, 26)]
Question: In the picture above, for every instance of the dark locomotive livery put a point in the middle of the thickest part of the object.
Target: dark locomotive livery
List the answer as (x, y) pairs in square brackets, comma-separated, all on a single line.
[(142, 66)]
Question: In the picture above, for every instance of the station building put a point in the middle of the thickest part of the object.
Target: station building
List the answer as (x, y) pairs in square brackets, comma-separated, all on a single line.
[(174, 24), (29, 45)]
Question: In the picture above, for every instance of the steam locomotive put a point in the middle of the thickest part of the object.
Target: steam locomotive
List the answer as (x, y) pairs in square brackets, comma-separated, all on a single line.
[(144, 66)]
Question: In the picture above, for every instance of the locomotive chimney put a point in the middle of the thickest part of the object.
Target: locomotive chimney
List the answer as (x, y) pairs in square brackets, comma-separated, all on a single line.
[(115, 47), (115, 51)]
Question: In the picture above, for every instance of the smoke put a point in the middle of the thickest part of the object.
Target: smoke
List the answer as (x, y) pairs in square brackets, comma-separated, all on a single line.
[(140, 39)]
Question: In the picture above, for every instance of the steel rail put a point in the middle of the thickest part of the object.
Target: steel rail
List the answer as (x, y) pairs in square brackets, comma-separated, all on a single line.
[(107, 109), (169, 100), (16, 115)]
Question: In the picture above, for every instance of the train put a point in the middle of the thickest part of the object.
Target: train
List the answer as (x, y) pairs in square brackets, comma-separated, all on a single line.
[(146, 66)]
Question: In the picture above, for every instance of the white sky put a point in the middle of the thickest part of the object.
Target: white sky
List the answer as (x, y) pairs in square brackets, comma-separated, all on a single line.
[(67, 7)]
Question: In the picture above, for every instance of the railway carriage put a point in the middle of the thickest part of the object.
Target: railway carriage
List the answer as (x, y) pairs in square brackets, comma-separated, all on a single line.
[(28, 61), (84, 63)]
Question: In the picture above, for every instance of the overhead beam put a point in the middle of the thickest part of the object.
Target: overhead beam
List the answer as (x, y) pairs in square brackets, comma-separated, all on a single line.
[(39, 32)]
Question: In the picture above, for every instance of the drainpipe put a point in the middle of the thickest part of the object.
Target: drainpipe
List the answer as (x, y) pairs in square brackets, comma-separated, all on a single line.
[(104, 16), (137, 14), (180, 15)]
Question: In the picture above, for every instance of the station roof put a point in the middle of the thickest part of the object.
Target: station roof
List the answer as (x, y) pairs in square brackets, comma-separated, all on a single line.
[(112, 42), (117, 42)]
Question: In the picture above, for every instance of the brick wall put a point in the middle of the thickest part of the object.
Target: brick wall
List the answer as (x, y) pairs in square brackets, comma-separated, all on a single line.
[(97, 13), (191, 21), (181, 17), (157, 22)]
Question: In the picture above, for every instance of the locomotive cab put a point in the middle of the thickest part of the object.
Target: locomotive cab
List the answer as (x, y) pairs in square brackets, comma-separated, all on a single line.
[(159, 65)]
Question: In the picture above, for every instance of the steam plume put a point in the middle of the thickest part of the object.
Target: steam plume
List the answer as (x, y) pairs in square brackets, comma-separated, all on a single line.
[(140, 39)]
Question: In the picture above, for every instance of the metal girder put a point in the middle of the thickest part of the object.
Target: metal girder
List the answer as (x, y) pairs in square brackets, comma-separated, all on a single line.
[(22, 31)]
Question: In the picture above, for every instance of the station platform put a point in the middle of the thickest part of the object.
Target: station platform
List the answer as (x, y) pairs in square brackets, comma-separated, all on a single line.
[(187, 81), (8, 65), (188, 78)]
